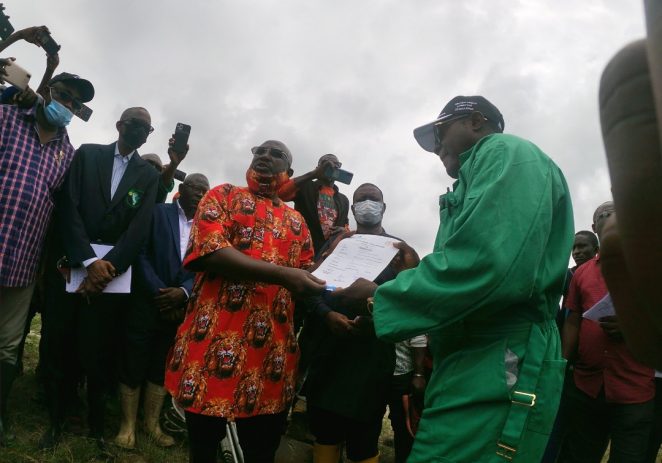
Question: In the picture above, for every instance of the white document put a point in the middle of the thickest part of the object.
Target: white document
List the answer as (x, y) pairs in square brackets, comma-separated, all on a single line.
[(603, 308), (120, 284), (359, 256)]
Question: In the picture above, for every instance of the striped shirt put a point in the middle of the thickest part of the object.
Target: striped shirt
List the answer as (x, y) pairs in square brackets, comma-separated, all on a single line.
[(30, 173), (119, 167)]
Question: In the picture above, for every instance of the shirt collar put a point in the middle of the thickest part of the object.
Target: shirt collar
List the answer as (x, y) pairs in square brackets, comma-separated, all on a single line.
[(181, 212), (126, 158), (464, 156)]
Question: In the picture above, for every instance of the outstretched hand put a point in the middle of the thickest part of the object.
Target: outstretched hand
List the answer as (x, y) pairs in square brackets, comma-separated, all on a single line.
[(33, 34), (406, 258), (339, 324), (355, 296), (301, 282)]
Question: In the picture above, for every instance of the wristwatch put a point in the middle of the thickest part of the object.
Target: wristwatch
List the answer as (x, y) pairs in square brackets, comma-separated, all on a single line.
[(371, 304)]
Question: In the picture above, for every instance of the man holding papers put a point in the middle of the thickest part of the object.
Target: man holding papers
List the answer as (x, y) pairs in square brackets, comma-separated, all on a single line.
[(487, 295), (611, 394), (108, 198), (350, 369)]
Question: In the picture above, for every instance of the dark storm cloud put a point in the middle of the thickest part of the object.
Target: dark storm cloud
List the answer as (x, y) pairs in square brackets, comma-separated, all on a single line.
[(353, 78)]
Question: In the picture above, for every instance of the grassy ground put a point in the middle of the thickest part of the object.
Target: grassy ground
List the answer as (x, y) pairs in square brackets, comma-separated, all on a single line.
[(30, 421)]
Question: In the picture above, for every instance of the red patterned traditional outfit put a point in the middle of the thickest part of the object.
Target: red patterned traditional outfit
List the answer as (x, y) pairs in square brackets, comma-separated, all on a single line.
[(235, 354)]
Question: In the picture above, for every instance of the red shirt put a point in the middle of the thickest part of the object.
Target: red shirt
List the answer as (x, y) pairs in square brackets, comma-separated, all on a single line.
[(235, 353), (326, 210), (601, 360)]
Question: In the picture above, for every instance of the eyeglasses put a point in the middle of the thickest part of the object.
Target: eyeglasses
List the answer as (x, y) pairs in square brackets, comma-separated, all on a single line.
[(138, 124), (440, 128), (260, 150), (65, 97)]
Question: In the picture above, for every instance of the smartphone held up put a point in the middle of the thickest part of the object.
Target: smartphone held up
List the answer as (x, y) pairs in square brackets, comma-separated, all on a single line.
[(16, 75), (46, 41), (182, 132), (338, 175)]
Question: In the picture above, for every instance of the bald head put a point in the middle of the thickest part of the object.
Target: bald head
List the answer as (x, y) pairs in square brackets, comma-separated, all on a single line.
[(134, 127), (332, 158), (601, 215), (279, 145), (137, 112), (191, 191), (197, 180), (154, 160)]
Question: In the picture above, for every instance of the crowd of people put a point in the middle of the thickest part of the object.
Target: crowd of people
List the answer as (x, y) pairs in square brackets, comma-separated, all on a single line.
[(222, 313)]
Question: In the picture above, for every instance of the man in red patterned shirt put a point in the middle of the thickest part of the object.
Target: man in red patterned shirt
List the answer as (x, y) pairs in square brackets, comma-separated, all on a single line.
[(235, 353), (35, 153), (612, 394)]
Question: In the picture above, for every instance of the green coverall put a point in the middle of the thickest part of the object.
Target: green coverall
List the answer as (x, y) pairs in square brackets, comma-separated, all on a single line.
[(490, 289)]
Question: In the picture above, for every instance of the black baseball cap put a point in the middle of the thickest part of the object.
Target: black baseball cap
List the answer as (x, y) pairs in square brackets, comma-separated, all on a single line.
[(457, 108), (84, 87)]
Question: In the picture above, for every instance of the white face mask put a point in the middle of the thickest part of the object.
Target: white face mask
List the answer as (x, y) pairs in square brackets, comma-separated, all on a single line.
[(368, 212)]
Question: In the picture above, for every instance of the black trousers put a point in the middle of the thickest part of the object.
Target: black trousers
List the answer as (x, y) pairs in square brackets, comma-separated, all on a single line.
[(402, 440), (361, 438), (147, 338), (80, 335), (655, 439), (591, 423), (259, 436)]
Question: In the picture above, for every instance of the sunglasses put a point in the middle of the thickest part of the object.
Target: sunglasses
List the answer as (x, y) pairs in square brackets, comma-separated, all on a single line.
[(260, 150), (137, 124), (65, 97)]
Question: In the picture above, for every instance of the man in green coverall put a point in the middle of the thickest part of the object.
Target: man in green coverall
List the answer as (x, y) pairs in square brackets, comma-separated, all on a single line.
[(487, 295)]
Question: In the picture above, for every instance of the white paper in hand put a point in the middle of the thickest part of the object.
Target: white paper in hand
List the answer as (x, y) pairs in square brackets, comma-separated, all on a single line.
[(120, 284), (603, 308), (359, 256)]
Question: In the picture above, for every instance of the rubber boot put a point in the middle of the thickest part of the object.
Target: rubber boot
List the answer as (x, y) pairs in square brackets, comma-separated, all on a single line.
[(326, 453), (374, 459), (8, 373), (154, 396), (129, 399)]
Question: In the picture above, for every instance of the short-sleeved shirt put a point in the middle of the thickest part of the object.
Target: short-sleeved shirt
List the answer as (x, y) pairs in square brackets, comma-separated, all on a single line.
[(602, 361), (235, 353), (326, 210), (30, 174)]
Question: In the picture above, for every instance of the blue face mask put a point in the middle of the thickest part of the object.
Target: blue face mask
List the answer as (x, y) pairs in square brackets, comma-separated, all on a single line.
[(57, 114)]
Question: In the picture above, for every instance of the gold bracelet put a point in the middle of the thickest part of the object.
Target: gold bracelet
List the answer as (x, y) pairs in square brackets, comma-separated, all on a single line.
[(371, 304)]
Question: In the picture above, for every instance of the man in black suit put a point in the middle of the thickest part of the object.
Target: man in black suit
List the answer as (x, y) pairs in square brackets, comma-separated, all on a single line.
[(161, 289), (108, 198)]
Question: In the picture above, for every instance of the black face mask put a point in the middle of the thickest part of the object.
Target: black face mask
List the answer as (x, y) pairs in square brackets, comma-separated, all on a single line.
[(135, 137)]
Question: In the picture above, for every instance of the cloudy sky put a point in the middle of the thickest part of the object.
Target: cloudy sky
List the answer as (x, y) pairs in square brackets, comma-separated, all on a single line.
[(347, 77)]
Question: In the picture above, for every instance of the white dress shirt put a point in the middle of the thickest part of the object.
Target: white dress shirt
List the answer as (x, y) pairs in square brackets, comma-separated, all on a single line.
[(184, 230), (119, 167)]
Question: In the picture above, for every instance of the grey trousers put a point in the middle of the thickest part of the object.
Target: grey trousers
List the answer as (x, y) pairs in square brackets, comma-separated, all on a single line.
[(14, 308)]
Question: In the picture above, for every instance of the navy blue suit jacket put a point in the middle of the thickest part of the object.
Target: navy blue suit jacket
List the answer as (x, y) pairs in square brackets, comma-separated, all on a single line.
[(159, 263)]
